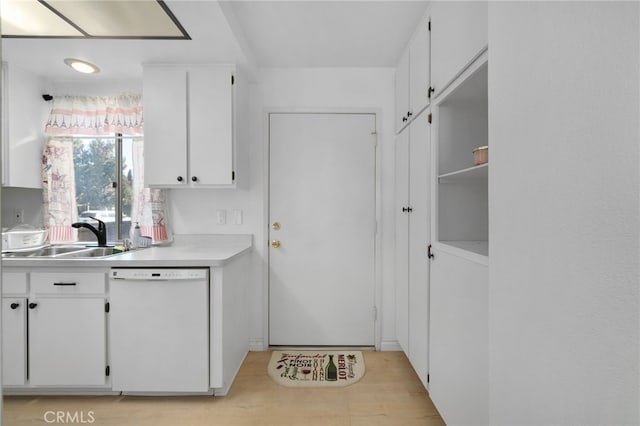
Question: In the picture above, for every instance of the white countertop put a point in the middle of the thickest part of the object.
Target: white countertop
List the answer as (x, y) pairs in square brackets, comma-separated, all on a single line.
[(185, 250)]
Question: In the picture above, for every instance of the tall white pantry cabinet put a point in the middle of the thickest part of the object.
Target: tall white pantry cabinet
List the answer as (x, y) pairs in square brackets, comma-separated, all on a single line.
[(412, 153), (442, 253)]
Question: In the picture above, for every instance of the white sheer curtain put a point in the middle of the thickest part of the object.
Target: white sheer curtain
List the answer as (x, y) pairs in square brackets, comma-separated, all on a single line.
[(149, 205), (100, 116), (58, 190)]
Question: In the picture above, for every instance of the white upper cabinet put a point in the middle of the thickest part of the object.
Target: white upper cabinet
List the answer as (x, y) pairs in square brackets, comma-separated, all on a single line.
[(24, 114), (412, 77), (189, 138), (419, 77), (458, 36), (402, 91)]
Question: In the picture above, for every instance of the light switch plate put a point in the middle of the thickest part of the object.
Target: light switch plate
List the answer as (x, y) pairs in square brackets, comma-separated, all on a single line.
[(221, 217), (236, 217)]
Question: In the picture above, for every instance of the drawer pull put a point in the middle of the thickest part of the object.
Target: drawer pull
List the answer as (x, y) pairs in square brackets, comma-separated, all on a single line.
[(61, 283)]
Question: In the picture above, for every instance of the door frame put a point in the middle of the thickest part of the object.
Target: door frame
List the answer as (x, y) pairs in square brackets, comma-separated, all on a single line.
[(376, 112)]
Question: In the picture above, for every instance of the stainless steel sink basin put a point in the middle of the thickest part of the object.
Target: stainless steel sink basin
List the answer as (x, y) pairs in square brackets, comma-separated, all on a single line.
[(56, 250), (93, 252), (67, 251)]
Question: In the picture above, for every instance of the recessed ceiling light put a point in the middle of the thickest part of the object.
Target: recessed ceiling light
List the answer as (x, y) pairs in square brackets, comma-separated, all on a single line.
[(82, 66)]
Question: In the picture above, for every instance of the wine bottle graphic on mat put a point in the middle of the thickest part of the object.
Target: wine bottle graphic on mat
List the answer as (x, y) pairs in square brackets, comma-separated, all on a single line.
[(332, 371)]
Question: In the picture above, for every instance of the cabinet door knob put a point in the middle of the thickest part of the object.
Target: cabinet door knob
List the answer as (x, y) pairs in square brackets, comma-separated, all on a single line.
[(404, 119), (32, 305), (275, 243), (409, 114), (430, 251), (179, 178), (15, 305), (194, 178), (430, 92), (405, 209)]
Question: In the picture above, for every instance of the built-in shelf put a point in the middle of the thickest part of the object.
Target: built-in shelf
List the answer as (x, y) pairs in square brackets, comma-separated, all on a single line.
[(471, 173), (460, 118), (478, 247)]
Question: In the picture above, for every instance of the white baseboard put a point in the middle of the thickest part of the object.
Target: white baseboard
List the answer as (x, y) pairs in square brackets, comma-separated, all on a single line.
[(257, 345), (390, 345)]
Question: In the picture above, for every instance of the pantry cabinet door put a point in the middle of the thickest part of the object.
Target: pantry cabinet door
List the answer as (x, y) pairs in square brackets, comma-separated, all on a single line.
[(419, 238), (165, 125), (402, 92), (402, 239), (458, 35), (419, 77)]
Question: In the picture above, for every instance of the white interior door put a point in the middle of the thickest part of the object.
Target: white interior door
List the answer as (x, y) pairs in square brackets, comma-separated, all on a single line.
[(322, 198)]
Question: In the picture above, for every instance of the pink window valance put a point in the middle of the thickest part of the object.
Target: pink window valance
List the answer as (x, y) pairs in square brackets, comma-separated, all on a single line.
[(95, 115)]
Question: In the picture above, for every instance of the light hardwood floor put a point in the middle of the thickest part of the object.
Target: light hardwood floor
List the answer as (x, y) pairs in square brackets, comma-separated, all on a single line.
[(390, 394)]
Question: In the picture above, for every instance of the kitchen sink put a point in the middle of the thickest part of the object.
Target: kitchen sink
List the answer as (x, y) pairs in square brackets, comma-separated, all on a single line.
[(93, 252), (64, 252)]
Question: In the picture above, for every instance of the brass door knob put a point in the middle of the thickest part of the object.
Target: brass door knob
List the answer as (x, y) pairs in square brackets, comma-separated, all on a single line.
[(275, 243)]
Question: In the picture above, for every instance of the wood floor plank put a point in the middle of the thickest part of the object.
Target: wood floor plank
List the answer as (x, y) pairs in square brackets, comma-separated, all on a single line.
[(389, 394)]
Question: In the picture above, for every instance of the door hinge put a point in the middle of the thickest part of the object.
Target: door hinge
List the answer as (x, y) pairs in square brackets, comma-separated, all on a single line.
[(107, 371), (114, 185), (428, 377), (430, 251), (430, 118), (233, 175), (233, 79), (429, 25), (107, 306)]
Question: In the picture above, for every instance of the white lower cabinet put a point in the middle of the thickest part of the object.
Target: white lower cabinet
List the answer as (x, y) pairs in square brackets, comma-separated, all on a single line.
[(67, 342), (54, 329), (458, 356), (14, 341)]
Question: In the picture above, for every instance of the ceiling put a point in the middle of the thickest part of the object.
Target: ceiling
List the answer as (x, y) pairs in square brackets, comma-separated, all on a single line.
[(294, 33), (96, 18), (327, 33)]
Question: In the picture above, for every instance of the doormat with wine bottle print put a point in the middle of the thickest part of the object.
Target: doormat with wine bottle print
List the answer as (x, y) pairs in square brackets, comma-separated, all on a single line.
[(316, 368)]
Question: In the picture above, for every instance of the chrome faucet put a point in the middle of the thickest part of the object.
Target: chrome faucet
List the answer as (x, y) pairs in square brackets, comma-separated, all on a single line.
[(101, 232)]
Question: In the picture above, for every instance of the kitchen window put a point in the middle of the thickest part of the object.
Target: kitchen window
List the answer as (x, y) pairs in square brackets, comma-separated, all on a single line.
[(92, 166), (104, 177)]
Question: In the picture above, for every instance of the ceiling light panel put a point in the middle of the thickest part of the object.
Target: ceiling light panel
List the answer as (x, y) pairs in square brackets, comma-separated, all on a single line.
[(24, 18), (127, 18)]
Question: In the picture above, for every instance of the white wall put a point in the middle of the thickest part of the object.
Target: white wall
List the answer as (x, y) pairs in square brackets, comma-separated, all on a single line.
[(564, 212), (296, 89)]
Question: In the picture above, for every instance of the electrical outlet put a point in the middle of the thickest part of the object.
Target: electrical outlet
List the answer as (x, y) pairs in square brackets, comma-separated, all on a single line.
[(18, 215)]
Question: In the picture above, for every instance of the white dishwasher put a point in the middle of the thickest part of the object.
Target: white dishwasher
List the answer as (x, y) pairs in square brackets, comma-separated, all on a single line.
[(159, 330)]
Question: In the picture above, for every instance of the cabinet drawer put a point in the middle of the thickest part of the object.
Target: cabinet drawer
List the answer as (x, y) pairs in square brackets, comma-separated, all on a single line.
[(68, 283), (14, 283)]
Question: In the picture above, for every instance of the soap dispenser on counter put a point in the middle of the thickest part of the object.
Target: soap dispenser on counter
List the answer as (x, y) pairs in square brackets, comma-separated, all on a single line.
[(135, 238)]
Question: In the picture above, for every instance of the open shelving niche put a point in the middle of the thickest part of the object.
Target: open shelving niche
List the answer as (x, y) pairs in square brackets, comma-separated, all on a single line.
[(462, 210)]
